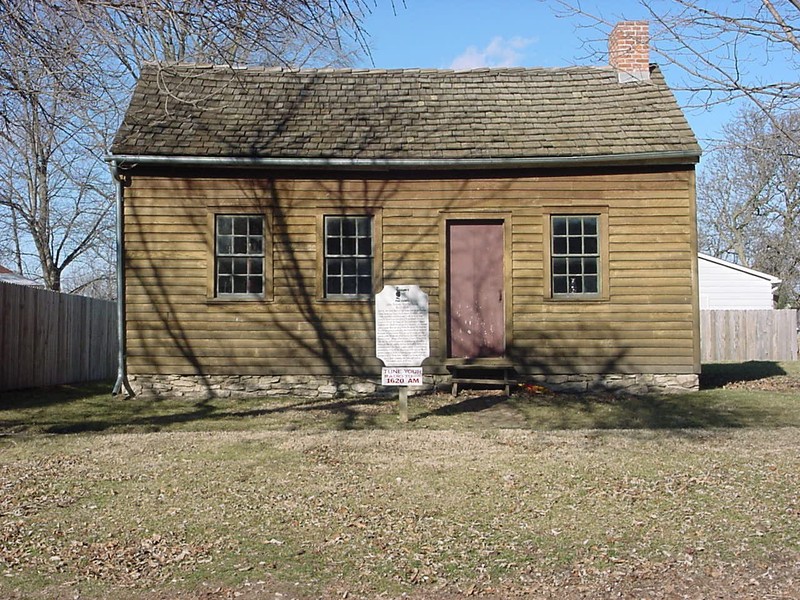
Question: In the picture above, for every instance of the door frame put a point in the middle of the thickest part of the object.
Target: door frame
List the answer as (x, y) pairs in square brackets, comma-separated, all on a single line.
[(448, 216)]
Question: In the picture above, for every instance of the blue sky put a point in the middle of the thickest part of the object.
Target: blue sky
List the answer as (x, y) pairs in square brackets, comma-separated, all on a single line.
[(474, 33)]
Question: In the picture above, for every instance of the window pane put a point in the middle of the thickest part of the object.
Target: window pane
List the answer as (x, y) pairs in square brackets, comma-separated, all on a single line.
[(560, 266), (574, 225), (348, 246), (365, 285), (225, 266), (575, 285), (240, 266), (559, 226), (334, 247), (364, 229), (364, 246), (334, 285), (560, 245), (256, 226), (574, 245), (590, 226), (255, 245), (224, 285), (240, 225), (590, 265), (239, 245), (560, 285), (349, 227), (349, 266), (590, 284), (334, 266), (239, 285), (590, 245), (224, 225), (256, 266), (575, 266), (349, 285), (255, 285), (364, 266), (224, 245), (333, 226)]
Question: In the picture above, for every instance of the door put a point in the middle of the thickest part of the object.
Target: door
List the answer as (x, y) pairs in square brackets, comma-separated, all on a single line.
[(476, 314)]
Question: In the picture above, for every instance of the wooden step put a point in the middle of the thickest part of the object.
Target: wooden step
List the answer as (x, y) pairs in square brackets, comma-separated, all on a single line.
[(482, 375)]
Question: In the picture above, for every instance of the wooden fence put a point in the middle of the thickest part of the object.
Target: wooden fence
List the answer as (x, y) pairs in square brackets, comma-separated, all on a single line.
[(48, 338), (740, 335)]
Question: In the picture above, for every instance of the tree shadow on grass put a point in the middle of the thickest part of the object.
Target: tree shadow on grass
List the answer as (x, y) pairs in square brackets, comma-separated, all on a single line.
[(597, 410), (88, 409), (53, 395), (684, 411), (717, 375)]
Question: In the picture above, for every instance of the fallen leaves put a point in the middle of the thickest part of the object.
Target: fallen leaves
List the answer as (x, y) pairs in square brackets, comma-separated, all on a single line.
[(497, 513)]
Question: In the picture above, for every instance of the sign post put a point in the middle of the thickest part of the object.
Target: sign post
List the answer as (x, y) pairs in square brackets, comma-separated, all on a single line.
[(402, 337)]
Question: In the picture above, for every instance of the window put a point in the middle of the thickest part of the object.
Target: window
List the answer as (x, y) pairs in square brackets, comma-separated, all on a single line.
[(575, 255), (239, 256), (348, 256)]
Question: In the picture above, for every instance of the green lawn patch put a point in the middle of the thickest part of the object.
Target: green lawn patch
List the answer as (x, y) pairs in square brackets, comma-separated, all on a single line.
[(733, 396)]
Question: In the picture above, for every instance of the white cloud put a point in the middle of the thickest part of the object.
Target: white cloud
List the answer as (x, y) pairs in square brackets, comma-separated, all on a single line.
[(498, 53)]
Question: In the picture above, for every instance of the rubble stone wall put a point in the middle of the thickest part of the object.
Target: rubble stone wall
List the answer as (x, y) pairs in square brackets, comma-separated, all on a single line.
[(259, 386)]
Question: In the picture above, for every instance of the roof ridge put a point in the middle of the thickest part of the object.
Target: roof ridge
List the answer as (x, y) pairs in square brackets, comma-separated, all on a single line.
[(200, 66)]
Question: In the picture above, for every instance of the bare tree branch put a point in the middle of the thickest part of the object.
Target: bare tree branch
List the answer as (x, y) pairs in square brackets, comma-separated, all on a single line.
[(66, 69), (724, 49), (749, 199)]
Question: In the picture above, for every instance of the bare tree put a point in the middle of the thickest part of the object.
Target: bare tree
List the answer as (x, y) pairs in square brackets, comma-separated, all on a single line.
[(51, 190), (724, 49), (65, 71), (749, 198)]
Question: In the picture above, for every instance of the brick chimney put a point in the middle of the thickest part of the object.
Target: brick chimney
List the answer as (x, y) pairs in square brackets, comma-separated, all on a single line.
[(629, 50)]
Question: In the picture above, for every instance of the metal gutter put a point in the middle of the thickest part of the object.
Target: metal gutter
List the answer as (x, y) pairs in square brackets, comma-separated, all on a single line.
[(386, 164), (122, 355)]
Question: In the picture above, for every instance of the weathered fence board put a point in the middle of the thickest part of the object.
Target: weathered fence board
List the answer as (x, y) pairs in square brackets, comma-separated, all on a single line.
[(740, 335), (48, 338)]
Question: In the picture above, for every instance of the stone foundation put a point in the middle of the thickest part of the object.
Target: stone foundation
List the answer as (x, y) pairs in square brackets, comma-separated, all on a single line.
[(321, 387), (638, 383)]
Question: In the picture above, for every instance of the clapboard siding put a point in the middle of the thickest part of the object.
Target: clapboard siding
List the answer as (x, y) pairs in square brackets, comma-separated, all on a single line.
[(647, 325)]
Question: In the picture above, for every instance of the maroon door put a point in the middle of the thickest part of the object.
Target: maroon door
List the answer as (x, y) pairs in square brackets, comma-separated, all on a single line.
[(475, 289)]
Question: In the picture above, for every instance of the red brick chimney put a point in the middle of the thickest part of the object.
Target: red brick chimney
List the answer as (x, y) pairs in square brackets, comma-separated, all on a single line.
[(629, 50)]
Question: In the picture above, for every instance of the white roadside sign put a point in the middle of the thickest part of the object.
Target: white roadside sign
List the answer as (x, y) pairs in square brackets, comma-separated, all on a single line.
[(402, 337)]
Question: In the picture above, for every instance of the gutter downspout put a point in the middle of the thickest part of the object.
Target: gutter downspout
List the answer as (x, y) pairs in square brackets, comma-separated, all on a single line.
[(122, 355)]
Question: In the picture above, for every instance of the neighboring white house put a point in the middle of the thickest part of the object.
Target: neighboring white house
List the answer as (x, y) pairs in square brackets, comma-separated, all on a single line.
[(8, 276), (727, 286)]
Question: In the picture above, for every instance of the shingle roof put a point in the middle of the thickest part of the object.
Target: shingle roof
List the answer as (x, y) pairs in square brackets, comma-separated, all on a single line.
[(506, 113)]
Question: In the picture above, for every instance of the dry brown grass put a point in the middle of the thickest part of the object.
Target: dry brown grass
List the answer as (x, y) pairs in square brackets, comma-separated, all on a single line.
[(428, 513), (543, 495)]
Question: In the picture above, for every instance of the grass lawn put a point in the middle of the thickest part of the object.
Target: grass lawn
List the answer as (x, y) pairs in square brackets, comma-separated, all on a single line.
[(538, 495)]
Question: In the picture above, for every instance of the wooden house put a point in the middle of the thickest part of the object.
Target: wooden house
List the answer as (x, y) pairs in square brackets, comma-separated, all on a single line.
[(549, 213)]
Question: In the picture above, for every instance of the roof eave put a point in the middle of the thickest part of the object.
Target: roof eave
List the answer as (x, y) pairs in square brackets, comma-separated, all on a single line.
[(389, 164), (742, 269)]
